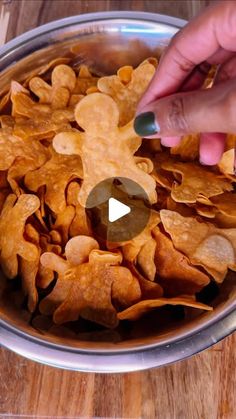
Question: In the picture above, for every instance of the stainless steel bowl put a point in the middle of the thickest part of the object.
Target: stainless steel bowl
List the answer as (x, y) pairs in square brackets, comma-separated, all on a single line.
[(107, 40)]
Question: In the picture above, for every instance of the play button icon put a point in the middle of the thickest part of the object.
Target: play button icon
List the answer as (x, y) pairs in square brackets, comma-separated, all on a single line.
[(118, 208)]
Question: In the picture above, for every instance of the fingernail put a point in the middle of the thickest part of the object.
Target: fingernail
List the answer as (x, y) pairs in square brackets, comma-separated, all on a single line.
[(145, 124)]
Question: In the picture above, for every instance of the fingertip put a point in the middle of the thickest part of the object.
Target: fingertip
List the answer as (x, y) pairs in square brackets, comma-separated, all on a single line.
[(170, 141), (211, 148)]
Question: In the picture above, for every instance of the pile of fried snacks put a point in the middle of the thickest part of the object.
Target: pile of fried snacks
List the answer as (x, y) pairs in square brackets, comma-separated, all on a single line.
[(63, 131)]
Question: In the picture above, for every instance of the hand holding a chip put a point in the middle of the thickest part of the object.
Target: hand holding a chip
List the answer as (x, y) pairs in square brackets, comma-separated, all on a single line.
[(207, 40)]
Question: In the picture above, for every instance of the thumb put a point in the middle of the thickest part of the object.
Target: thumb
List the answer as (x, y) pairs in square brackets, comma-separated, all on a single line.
[(209, 110)]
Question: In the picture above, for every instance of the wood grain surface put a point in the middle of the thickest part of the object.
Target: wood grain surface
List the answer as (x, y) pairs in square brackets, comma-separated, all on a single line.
[(203, 387)]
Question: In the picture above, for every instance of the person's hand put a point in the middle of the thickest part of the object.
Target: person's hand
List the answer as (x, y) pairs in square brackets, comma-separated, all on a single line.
[(208, 39)]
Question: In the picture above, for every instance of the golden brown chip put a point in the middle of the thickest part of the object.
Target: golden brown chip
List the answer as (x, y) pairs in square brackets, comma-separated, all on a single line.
[(29, 269), (177, 275), (55, 237), (41, 70), (117, 160), (145, 259), (55, 174), (4, 192), (84, 290), (132, 248), (149, 289), (4, 101), (144, 163), (89, 296), (162, 177), (183, 209), (63, 222), (58, 94), (78, 249), (225, 203), (85, 81), (196, 180), (47, 238), (53, 262), (125, 287), (225, 221), (12, 224), (127, 94), (81, 224), (137, 310), (12, 147), (205, 211), (205, 245), (226, 164)]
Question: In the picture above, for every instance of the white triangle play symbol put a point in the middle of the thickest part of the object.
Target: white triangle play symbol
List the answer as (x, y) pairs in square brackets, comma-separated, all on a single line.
[(116, 210)]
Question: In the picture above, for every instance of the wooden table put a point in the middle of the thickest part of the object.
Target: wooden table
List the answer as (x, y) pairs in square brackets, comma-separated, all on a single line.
[(202, 387)]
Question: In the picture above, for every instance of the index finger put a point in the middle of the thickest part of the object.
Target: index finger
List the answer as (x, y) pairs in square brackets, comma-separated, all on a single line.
[(210, 31)]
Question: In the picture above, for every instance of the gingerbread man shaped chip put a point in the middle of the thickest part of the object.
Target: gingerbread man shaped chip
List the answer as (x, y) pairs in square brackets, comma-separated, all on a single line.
[(106, 150)]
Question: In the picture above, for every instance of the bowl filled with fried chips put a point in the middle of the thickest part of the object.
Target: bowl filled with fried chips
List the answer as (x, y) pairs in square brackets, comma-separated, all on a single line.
[(69, 298)]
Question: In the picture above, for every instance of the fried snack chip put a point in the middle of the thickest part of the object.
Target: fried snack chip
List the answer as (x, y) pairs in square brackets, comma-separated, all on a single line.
[(177, 275), (77, 271), (56, 148), (132, 248), (12, 147), (57, 94), (81, 224), (183, 209), (223, 207), (13, 217), (63, 223), (144, 164), (145, 259), (92, 289), (55, 174), (162, 177), (53, 262), (89, 295), (78, 249), (226, 164), (225, 221), (149, 289), (188, 149), (204, 244), (85, 81), (24, 107), (36, 120), (137, 310), (72, 193), (230, 141), (205, 211), (111, 55), (125, 287), (125, 73), (4, 101), (196, 180), (29, 269), (117, 160), (127, 94), (225, 203), (4, 192)]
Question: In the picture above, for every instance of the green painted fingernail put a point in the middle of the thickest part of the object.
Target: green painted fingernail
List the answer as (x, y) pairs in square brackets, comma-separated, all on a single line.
[(145, 124)]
